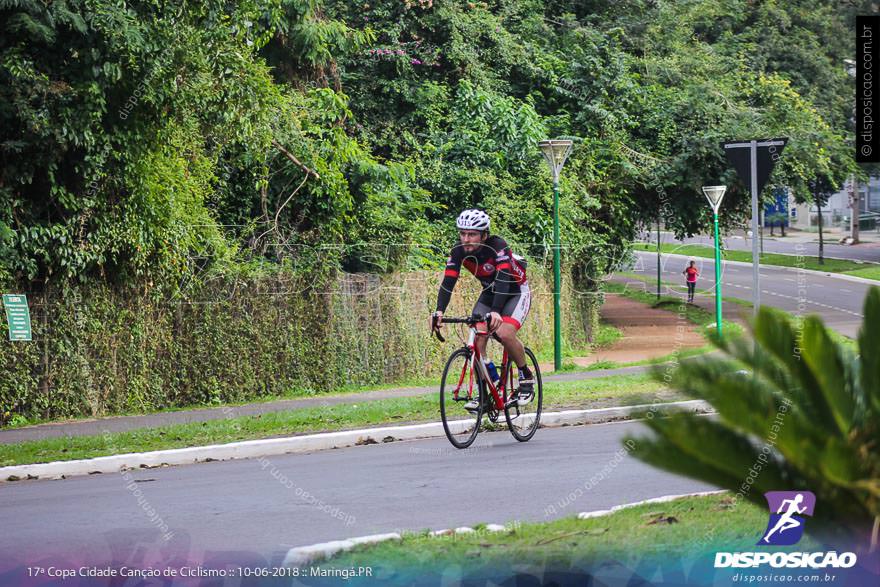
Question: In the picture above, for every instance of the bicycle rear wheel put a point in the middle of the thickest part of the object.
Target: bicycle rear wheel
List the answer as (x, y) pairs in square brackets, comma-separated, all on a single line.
[(523, 420), (460, 385)]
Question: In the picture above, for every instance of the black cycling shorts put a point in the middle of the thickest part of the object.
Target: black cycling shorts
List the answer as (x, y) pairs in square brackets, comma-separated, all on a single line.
[(515, 309)]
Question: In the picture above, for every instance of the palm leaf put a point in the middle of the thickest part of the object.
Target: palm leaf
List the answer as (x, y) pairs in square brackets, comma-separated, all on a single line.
[(869, 347), (711, 446), (829, 363), (794, 400)]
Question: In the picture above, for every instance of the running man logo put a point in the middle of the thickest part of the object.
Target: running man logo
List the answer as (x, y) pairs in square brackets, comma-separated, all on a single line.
[(787, 508)]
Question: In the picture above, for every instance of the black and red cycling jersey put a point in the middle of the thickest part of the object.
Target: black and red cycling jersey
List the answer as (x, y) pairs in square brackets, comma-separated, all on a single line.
[(493, 263)]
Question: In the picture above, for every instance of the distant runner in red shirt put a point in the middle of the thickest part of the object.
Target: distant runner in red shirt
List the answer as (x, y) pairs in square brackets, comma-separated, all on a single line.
[(691, 273)]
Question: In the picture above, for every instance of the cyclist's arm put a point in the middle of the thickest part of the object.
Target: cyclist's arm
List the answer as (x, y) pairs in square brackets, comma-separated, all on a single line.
[(450, 276), (504, 279)]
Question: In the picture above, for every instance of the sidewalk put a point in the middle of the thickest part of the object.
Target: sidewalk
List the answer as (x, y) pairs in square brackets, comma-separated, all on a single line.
[(730, 311), (831, 236), (647, 333)]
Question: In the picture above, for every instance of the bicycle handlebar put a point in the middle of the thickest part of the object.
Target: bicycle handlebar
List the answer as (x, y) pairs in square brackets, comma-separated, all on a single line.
[(471, 320)]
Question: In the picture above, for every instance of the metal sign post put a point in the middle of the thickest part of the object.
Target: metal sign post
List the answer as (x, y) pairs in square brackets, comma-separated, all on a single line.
[(756, 258), (754, 167)]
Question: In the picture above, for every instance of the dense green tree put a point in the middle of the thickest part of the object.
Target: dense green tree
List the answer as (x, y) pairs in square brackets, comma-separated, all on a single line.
[(148, 141), (113, 118), (133, 135)]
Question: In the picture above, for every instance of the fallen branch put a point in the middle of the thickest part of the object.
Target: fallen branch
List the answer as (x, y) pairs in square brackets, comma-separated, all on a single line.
[(296, 161), (569, 535)]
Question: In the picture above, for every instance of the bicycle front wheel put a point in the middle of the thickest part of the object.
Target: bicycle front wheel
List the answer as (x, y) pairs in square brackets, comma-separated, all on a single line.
[(460, 385), (524, 417)]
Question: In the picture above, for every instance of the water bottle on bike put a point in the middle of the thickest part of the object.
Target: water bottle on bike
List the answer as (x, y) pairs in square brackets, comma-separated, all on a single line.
[(494, 377)]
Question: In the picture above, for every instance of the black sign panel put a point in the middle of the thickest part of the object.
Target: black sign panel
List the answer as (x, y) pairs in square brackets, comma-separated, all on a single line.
[(739, 153)]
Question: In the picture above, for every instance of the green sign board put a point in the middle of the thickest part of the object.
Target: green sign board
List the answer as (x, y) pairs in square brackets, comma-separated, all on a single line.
[(18, 316)]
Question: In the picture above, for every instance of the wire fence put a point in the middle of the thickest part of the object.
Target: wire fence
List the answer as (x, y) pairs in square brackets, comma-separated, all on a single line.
[(98, 351)]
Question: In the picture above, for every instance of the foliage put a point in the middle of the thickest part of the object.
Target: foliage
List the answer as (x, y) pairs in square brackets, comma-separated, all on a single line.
[(134, 135), (157, 148), (115, 116), (235, 337), (148, 143)]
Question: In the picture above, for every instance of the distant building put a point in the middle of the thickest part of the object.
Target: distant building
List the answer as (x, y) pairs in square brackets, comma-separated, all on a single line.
[(836, 212)]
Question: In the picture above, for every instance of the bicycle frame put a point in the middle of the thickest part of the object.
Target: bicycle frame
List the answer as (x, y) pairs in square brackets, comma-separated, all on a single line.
[(476, 362), (464, 437)]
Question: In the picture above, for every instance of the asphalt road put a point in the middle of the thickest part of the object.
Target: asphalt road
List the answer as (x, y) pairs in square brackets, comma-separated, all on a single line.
[(860, 252), (253, 511), (838, 301)]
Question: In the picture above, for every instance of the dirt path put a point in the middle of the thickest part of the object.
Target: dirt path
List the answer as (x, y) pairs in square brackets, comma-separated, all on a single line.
[(648, 333)]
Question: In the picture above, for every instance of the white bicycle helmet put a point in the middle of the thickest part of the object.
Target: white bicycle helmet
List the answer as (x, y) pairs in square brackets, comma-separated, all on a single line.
[(472, 220)]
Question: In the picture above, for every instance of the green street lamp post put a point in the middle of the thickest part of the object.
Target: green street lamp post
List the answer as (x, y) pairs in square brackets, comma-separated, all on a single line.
[(556, 152), (715, 193)]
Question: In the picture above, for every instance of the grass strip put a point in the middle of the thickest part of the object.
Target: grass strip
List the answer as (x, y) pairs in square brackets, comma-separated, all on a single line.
[(605, 336), (600, 392), (350, 389), (687, 526)]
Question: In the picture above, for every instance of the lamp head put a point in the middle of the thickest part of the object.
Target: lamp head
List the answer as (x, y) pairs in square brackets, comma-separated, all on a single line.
[(714, 193), (555, 151)]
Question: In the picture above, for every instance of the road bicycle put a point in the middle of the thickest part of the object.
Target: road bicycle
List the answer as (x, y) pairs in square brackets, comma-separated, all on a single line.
[(465, 377)]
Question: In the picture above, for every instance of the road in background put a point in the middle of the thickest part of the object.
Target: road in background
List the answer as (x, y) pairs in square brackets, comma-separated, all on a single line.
[(800, 245), (839, 301)]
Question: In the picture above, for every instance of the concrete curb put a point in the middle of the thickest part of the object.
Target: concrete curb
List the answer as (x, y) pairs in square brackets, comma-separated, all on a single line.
[(307, 554), (302, 555), (852, 278), (301, 444), (663, 499)]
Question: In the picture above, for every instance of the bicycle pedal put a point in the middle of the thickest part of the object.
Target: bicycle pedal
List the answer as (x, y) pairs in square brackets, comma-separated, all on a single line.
[(522, 401)]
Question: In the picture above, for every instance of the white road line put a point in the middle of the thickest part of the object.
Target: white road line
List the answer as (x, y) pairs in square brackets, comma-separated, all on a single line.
[(820, 304)]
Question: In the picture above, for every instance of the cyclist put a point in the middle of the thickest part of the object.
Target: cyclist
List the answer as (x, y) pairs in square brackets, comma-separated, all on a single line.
[(506, 296)]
